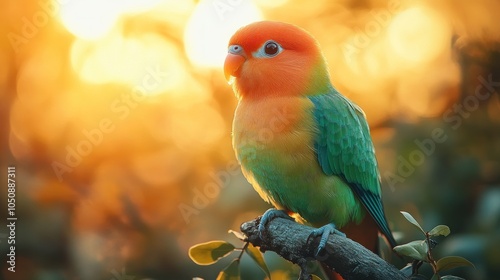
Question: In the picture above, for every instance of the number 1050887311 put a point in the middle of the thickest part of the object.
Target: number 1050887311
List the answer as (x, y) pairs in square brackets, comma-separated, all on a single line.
[(11, 188)]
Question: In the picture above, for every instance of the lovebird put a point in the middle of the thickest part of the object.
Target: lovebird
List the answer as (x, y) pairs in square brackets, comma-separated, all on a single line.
[(303, 146)]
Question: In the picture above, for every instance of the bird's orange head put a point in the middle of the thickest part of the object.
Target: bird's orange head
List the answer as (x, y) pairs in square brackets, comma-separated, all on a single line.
[(273, 58)]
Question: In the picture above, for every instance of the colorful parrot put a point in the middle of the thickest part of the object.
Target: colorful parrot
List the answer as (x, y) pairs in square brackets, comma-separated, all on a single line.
[(304, 147)]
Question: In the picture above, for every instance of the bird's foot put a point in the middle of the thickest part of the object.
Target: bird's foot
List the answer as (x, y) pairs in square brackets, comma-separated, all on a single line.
[(324, 232), (269, 215)]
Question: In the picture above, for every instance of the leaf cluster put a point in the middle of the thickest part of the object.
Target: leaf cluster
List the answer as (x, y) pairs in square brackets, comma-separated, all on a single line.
[(211, 252), (421, 251)]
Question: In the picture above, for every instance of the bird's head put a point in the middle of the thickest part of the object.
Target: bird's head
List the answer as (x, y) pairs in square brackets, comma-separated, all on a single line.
[(273, 58)]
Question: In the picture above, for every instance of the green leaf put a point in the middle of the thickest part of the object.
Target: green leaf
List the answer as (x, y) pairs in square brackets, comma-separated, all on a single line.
[(257, 256), (440, 230), (407, 270), (210, 252), (315, 277), (415, 249), (452, 262), (231, 272), (412, 220), (435, 277), (451, 277), (239, 235)]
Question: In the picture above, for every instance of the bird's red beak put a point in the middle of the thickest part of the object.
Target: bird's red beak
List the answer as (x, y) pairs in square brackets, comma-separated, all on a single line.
[(232, 64)]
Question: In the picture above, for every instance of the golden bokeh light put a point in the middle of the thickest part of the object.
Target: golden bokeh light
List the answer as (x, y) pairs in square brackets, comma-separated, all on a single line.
[(151, 63), (203, 116), (418, 34), (270, 4), (93, 19), (432, 96), (211, 25), (90, 19), (161, 167)]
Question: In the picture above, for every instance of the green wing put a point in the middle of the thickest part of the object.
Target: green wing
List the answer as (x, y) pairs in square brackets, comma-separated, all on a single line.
[(344, 148)]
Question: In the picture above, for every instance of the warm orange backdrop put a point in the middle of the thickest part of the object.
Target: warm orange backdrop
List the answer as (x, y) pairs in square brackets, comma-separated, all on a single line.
[(118, 119)]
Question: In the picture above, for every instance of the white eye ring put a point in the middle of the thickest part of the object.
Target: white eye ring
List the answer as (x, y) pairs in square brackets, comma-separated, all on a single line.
[(235, 49), (269, 49)]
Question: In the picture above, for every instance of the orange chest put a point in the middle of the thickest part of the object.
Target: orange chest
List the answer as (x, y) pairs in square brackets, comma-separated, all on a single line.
[(282, 124)]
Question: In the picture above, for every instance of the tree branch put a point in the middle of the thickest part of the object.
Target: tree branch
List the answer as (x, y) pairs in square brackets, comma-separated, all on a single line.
[(348, 258)]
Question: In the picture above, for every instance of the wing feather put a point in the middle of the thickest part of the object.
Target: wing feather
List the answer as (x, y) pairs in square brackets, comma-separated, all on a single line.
[(345, 149)]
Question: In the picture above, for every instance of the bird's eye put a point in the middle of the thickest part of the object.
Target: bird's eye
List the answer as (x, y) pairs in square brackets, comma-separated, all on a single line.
[(235, 49), (271, 48), (268, 49)]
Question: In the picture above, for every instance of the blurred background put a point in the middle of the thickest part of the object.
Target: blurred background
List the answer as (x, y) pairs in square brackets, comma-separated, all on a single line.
[(117, 118)]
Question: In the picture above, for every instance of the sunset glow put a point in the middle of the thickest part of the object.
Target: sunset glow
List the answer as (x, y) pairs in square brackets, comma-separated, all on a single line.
[(119, 122), (418, 35), (211, 25)]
